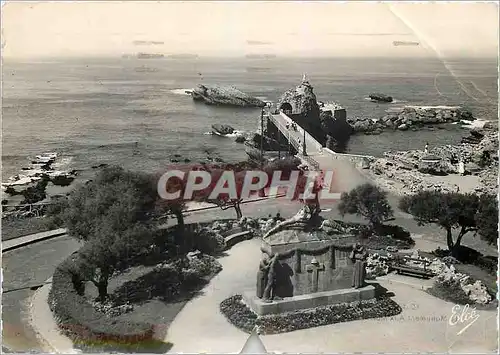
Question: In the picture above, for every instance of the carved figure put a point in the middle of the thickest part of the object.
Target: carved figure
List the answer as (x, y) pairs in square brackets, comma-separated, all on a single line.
[(358, 257)]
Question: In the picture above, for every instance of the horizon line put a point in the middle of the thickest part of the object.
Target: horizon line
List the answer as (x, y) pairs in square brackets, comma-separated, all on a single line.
[(265, 56)]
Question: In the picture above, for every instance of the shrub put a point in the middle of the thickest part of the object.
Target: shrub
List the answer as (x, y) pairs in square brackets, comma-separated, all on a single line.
[(487, 263), (395, 232), (368, 201), (209, 242), (204, 266), (465, 254)]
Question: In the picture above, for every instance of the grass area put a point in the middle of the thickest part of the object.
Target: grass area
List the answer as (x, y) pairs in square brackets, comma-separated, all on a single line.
[(18, 227)]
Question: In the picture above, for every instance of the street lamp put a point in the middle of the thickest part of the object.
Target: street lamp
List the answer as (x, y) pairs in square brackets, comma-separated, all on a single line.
[(262, 138), (304, 144)]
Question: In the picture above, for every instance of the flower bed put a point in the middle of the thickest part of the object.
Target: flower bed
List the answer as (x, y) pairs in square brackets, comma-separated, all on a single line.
[(238, 313)]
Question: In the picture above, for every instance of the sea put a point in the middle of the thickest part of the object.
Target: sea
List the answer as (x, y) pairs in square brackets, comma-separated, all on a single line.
[(135, 113)]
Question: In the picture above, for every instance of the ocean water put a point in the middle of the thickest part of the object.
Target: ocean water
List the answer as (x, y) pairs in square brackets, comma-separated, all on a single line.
[(134, 113)]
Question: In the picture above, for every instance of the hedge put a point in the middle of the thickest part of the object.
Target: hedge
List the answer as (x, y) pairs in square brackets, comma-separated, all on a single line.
[(82, 323)]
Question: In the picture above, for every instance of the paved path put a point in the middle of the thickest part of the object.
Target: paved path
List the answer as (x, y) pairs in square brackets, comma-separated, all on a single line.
[(422, 327), (29, 239), (22, 268)]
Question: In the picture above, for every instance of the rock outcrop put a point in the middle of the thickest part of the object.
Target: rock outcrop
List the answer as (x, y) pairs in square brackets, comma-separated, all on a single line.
[(410, 118), (412, 169), (222, 129), (376, 97), (224, 95)]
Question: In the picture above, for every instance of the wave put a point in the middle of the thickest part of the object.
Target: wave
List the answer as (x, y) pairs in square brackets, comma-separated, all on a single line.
[(180, 91)]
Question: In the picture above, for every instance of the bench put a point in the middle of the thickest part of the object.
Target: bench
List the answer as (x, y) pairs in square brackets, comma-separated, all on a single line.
[(400, 266), (236, 238)]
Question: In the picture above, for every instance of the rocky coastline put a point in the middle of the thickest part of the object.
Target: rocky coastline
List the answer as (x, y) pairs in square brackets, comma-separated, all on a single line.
[(410, 118), (407, 172)]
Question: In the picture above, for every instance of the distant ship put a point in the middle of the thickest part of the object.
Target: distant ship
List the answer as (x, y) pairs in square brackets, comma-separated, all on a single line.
[(142, 43), (405, 43), (183, 56), (149, 55), (260, 56)]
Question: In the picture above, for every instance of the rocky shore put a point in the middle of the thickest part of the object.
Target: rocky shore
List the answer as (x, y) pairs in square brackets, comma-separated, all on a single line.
[(407, 172), (410, 117)]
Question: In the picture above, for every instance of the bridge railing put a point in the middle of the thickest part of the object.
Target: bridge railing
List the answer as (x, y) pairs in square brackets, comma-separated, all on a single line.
[(295, 144), (286, 133), (317, 144)]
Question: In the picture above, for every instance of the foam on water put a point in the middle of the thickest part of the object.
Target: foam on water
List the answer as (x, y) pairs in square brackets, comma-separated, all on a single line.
[(472, 124), (180, 91)]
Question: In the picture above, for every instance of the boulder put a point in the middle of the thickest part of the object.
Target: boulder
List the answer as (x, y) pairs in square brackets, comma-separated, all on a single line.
[(224, 95), (403, 127)]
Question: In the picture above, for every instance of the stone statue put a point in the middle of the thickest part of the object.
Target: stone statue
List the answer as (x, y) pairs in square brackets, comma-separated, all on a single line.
[(266, 277), (271, 280), (262, 275), (358, 257), (307, 216)]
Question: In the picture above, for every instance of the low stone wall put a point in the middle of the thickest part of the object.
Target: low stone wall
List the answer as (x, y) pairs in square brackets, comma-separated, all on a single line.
[(354, 158)]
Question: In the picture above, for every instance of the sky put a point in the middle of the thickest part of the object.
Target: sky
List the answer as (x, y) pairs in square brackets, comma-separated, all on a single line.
[(306, 29)]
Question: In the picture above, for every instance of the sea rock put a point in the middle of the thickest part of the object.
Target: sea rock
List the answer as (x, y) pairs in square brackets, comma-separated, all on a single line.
[(240, 139), (224, 95), (413, 118), (376, 97), (222, 129)]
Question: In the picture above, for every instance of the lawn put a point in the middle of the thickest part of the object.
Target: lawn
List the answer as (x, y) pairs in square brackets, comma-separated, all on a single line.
[(18, 227)]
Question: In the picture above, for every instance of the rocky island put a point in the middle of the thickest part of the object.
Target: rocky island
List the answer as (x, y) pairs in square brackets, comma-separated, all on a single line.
[(224, 95)]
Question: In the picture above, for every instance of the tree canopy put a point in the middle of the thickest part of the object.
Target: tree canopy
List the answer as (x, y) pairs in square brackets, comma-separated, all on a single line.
[(113, 215), (368, 201), (467, 212)]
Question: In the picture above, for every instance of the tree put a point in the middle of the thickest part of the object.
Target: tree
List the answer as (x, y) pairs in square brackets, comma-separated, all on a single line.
[(111, 252), (224, 200), (174, 206), (487, 218), (366, 200), (448, 210), (113, 215)]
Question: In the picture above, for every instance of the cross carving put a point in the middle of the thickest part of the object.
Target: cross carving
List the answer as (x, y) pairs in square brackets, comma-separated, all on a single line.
[(315, 267)]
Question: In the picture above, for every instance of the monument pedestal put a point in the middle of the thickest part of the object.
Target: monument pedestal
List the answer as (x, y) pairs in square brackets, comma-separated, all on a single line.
[(310, 300)]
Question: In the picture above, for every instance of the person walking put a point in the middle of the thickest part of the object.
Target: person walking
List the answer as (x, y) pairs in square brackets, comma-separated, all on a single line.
[(426, 149)]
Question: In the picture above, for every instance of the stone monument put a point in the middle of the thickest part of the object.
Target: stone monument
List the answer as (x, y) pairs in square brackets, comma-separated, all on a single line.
[(304, 267)]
